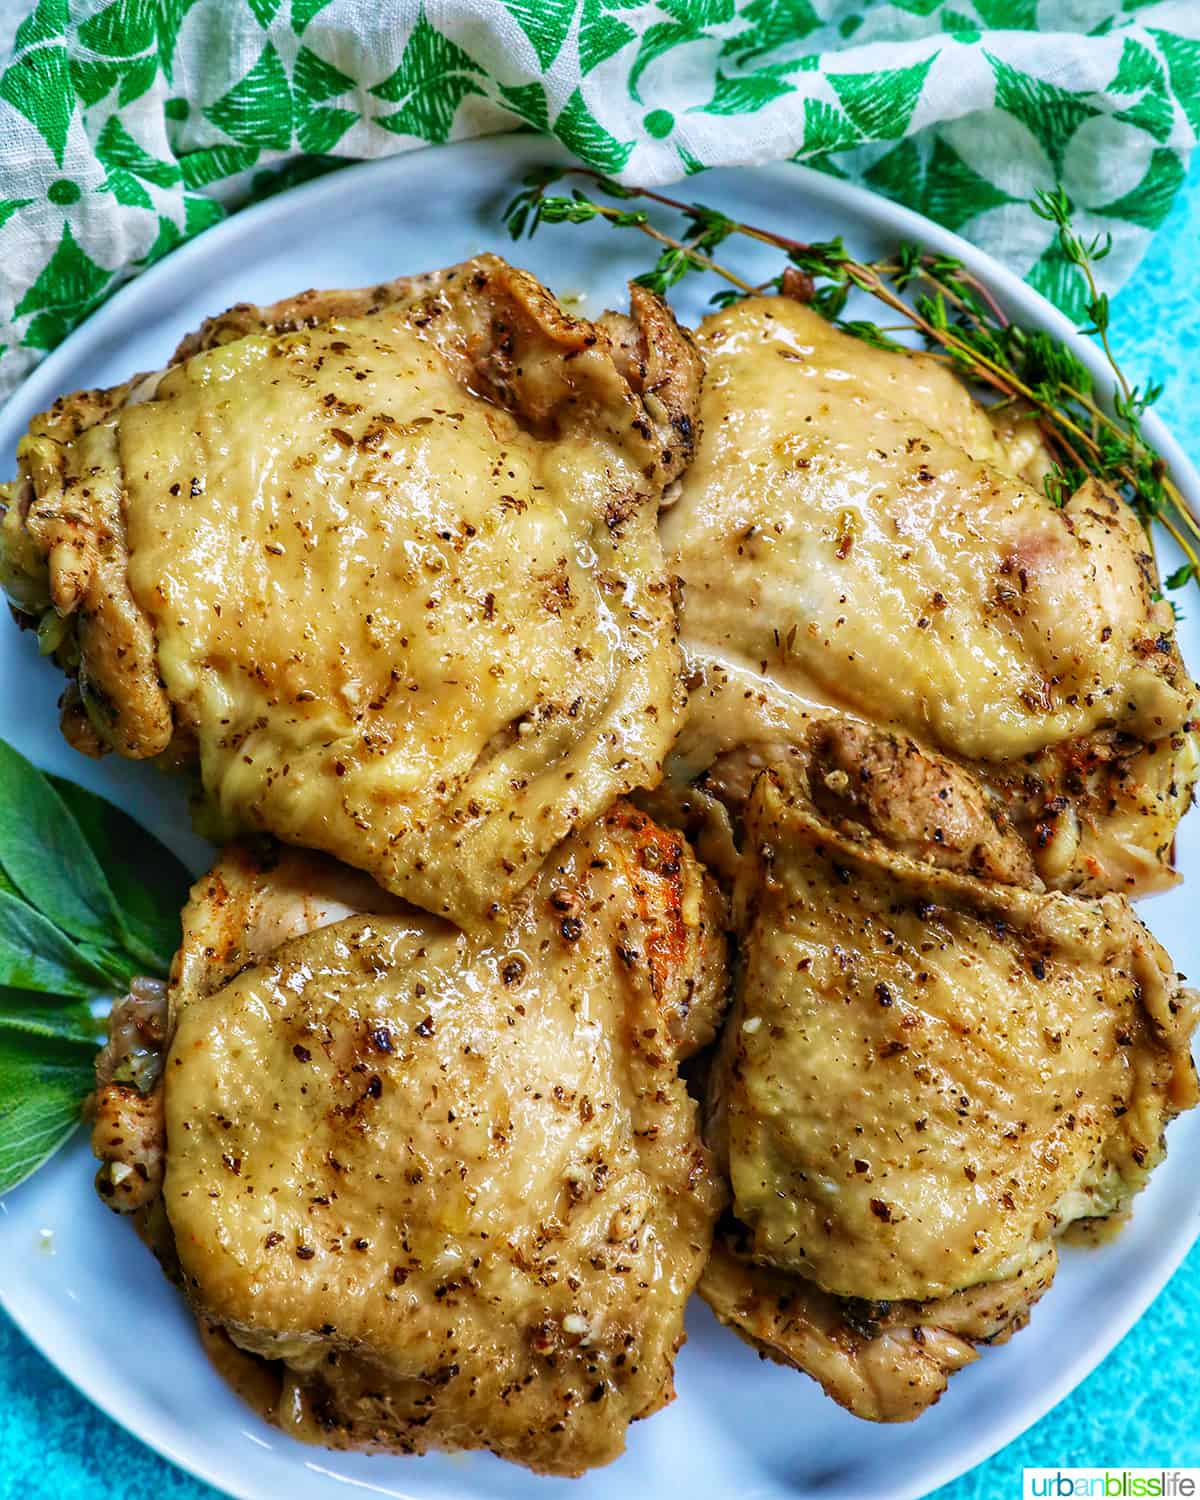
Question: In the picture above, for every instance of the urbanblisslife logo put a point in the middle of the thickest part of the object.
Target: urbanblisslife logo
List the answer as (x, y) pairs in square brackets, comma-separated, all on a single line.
[(1111, 1484)]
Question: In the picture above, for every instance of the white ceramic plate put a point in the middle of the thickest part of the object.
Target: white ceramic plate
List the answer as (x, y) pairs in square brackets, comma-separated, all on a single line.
[(95, 1303)]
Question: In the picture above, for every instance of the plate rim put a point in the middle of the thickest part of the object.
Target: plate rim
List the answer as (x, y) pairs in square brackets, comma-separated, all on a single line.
[(860, 206)]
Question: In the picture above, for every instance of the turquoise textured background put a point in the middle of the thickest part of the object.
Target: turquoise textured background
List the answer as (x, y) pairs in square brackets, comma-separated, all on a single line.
[(1138, 1409)]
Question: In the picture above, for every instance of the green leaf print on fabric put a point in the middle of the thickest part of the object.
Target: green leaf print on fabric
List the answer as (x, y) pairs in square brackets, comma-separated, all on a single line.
[(918, 7), (601, 34), (120, 29), (117, 148), (1138, 69), (1153, 114), (169, 16), (662, 37), (137, 78), (1149, 203), (1056, 278), (70, 285), (199, 168), (257, 111), (882, 104), (434, 77), (278, 85), (200, 213), (1008, 15), (700, 12), (953, 192), (742, 96), (962, 27), (46, 21), (581, 132), (313, 81), (900, 174), (320, 130), (303, 12), (1183, 66), (940, 185), (545, 23), (93, 80), (263, 11), (826, 128), (772, 24), (1051, 114), (528, 102), (126, 189), (38, 84), (265, 108), (169, 238)]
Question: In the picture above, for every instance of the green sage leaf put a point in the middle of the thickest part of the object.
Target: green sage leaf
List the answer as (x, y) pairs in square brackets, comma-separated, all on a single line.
[(149, 883), (42, 1086), (50, 1016), (44, 853), (35, 955)]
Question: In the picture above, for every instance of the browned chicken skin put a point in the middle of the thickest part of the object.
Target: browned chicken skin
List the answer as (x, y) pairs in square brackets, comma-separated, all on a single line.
[(436, 1191), (922, 803)]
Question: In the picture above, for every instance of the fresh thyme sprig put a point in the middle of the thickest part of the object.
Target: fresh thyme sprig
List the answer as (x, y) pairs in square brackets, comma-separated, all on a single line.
[(953, 311)]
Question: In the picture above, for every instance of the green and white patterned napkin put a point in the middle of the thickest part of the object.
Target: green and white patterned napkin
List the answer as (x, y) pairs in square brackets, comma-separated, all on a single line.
[(127, 126)]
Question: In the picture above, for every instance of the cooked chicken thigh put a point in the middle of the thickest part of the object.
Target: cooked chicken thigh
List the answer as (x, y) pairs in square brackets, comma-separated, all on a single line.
[(851, 537), (430, 1190), (928, 1073), (385, 562), (884, 1361), (925, 1073)]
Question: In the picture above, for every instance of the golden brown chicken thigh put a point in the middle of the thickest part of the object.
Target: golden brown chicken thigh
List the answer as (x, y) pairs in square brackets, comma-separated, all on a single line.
[(385, 563), (437, 1191), (932, 1067), (885, 1361), (853, 538)]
